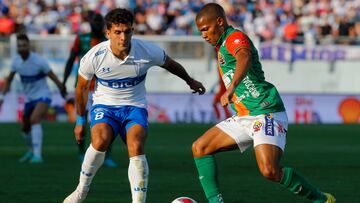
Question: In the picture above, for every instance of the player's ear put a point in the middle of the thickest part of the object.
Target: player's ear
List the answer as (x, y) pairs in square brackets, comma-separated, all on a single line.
[(220, 21), (107, 33)]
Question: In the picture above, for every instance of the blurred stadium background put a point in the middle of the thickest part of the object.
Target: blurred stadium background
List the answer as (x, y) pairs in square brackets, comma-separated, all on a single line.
[(309, 49)]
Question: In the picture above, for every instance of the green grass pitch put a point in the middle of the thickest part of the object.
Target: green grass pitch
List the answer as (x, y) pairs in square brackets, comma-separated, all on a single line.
[(328, 155)]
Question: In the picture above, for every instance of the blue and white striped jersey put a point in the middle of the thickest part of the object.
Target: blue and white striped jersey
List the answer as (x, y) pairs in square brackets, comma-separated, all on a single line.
[(121, 82), (33, 72)]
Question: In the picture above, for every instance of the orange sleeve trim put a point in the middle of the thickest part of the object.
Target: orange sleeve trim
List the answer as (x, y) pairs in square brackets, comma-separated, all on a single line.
[(240, 107), (235, 41)]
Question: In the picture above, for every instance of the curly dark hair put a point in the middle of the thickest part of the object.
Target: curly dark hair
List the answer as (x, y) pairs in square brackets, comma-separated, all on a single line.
[(119, 16)]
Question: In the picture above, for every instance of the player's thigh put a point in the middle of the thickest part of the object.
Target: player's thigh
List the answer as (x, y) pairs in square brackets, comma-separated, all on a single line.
[(268, 156), (39, 112), (101, 135), (135, 139), (212, 141)]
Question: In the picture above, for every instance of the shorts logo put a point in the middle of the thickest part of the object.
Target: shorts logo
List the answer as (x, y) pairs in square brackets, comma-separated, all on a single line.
[(257, 126), (269, 125), (281, 129)]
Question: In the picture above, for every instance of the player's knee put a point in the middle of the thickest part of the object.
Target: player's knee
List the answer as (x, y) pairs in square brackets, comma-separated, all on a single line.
[(99, 143), (35, 120), (135, 147), (270, 172), (198, 149)]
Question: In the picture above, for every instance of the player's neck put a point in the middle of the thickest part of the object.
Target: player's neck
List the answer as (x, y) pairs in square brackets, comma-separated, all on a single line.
[(24, 56), (121, 54)]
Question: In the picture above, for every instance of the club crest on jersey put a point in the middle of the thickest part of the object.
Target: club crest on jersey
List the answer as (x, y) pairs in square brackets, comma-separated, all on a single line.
[(221, 59), (257, 126), (269, 124)]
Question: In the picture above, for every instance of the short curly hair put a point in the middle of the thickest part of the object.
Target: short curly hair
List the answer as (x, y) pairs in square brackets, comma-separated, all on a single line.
[(119, 16)]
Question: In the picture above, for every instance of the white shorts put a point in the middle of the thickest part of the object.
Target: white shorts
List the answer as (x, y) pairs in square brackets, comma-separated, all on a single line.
[(261, 129)]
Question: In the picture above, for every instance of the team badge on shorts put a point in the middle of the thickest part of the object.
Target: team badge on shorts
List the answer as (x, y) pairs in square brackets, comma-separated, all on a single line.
[(269, 124), (257, 126)]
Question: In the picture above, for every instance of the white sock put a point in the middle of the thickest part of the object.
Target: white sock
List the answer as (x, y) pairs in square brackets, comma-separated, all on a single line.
[(138, 176), (36, 135), (28, 141), (93, 159)]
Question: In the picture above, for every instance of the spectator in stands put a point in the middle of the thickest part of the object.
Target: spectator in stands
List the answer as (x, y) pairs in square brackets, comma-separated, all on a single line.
[(7, 25), (260, 19)]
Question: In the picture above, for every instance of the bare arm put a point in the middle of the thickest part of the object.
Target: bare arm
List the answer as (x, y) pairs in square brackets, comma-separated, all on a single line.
[(8, 81), (61, 87), (6, 87), (81, 95), (178, 70), (242, 57)]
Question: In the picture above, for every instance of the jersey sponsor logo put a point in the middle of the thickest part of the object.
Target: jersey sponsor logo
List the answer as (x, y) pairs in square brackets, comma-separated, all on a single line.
[(226, 77), (100, 52), (269, 124), (251, 87), (221, 59), (257, 126), (122, 83)]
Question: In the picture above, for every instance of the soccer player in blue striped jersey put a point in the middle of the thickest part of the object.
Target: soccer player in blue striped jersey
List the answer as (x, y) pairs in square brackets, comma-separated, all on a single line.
[(33, 70), (119, 105)]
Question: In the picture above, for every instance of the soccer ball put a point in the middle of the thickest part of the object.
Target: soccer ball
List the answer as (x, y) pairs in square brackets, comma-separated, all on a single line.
[(183, 200)]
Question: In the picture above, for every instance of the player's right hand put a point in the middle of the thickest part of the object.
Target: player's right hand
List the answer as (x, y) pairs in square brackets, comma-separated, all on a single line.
[(226, 97), (78, 132)]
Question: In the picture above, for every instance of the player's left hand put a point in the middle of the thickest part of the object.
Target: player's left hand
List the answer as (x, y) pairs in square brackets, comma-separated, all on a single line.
[(197, 86)]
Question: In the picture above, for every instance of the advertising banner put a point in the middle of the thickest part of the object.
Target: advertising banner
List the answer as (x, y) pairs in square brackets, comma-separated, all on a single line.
[(189, 108)]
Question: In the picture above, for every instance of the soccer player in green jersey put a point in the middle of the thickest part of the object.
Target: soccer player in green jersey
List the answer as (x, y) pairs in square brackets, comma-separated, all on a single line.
[(260, 118), (82, 44)]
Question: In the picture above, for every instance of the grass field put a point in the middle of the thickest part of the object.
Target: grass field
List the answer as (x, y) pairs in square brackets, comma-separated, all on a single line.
[(326, 154)]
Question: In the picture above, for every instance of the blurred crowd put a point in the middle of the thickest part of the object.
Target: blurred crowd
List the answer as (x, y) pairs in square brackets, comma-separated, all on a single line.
[(295, 21)]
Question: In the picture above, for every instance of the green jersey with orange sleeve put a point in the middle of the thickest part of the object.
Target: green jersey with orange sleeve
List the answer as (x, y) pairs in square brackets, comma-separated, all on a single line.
[(253, 95)]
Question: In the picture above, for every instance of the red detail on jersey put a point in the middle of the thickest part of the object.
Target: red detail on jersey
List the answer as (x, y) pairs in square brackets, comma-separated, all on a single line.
[(235, 41), (76, 46)]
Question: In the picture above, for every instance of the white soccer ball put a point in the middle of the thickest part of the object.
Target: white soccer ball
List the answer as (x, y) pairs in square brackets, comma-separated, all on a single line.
[(183, 200)]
